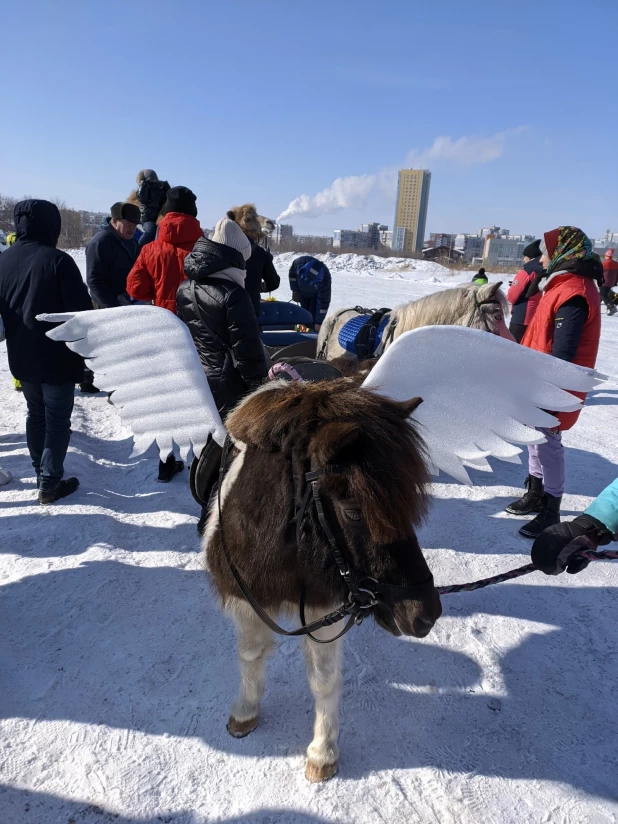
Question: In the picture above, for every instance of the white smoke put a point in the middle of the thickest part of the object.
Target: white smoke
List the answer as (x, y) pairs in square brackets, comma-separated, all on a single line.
[(353, 192)]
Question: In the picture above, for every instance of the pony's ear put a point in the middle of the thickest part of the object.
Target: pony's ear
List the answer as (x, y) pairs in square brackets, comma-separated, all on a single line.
[(231, 214), (408, 407), (333, 441), (493, 289)]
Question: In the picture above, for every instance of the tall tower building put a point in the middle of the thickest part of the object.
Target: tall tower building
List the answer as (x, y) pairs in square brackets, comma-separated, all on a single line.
[(411, 210)]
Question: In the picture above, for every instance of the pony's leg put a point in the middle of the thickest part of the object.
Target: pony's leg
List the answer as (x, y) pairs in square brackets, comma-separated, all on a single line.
[(324, 673), (254, 643)]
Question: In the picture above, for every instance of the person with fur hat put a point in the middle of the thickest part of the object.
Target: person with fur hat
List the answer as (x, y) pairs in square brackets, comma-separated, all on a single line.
[(149, 197), (610, 277), (522, 306), (110, 256), (158, 271), (567, 325), (261, 275), (216, 307)]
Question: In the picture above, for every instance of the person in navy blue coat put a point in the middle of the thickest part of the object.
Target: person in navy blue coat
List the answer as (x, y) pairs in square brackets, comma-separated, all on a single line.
[(310, 282)]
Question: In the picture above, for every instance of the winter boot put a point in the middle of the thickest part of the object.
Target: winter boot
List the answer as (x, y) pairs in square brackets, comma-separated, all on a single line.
[(611, 310), (88, 388), (169, 468), (532, 499), (63, 489), (548, 516)]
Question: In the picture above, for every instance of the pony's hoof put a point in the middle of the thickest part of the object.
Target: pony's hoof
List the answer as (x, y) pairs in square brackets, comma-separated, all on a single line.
[(239, 729), (320, 772)]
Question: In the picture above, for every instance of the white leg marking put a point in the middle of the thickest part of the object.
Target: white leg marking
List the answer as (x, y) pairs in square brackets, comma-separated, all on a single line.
[(228, 482), (254, 644)]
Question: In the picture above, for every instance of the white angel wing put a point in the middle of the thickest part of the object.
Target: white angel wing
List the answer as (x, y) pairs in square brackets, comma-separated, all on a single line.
[(481, 393), (145, 355)]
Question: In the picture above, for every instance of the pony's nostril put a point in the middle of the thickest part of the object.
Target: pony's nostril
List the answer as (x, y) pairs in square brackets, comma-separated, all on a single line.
[(422, 625)]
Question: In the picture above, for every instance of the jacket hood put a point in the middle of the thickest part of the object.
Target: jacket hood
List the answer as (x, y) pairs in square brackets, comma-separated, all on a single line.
[(37, 220), (208, 258), (533, 267), (178, 229)]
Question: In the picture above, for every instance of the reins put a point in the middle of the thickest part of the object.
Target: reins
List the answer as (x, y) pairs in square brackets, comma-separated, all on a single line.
[(477, 308)]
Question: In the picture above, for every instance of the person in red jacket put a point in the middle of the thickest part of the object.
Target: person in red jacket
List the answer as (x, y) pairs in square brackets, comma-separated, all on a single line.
[(523, 307), (158, 271), (567, 325), (610, 278)]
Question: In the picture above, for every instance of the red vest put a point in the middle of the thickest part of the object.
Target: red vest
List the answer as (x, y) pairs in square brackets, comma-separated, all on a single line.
[(540, 333)]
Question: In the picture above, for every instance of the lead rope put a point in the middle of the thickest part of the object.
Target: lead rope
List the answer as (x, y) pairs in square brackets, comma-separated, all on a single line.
[(590, 554)]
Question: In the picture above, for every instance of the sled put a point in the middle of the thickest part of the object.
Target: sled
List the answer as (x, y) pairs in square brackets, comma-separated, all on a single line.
[(277, 321)]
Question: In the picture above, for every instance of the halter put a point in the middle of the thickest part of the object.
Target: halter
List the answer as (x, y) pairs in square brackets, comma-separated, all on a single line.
[(363, 592), (477, 308)]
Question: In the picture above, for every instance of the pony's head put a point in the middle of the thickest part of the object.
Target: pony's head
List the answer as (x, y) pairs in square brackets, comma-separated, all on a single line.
[(373, 483)]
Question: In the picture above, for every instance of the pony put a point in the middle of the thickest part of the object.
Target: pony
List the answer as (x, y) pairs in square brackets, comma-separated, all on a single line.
[(336, 475), (478, 307)]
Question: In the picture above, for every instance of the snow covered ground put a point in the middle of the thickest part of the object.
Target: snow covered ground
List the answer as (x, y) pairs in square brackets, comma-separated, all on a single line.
[(117, 670)]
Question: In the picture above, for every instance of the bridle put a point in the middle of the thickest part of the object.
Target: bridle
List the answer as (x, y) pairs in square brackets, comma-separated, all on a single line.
[(364, 592), (477, 308)]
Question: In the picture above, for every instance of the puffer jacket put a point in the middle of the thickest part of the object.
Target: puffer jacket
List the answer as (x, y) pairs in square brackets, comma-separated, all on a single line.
[(261, 275), (523, 307), (37, 278), (151, 197), (158, 271), (222, 323), (610, 272)]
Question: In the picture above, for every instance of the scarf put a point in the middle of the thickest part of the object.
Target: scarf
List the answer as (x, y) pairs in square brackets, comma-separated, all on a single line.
[(232, 273), (569, 250)]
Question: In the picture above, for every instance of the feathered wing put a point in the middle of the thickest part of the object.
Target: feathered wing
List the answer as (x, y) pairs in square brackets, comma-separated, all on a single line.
[(481, 393), (145, 355)]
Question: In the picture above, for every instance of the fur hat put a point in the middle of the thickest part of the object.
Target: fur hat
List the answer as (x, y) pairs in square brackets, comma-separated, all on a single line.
[(180, 199), (146, 174), (230, 234), (533, 250), (246, 217), (125, 211)]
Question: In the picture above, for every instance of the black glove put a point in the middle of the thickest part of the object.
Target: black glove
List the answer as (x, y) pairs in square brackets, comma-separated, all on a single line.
[(552, 552)]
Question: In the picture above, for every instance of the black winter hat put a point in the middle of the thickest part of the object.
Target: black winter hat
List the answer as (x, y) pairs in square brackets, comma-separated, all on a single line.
[(125, 211), (180, 199), (533, 250)]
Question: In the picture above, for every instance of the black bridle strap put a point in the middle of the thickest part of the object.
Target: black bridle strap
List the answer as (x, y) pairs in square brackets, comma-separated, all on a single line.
[(477, 308), (334, 617)]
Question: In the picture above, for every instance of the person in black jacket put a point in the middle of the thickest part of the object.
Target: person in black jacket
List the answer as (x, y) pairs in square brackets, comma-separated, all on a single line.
[(37, 278), (261, 275), (310, 282), (216, 307), (150, 196), (110, 256)]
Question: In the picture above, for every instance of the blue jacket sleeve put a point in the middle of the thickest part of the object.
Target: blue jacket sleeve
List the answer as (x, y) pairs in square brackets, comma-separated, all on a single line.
[(568, 325), (605, 508), (323, 301)]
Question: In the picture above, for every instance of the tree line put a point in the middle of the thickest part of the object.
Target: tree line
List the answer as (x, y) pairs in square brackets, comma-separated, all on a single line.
[(77, 226)]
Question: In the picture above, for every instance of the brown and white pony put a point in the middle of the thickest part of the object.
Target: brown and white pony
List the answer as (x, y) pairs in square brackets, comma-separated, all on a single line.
[(479, 307), (373, 487)]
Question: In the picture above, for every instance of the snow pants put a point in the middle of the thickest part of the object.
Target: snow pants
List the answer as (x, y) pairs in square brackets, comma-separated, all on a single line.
[(48, 429), (546, 461)]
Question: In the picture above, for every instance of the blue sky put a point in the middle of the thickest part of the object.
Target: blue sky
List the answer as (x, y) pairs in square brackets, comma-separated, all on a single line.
[(266, 101)]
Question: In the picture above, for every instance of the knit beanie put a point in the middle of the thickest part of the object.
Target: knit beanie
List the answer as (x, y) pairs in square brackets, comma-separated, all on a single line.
[(230, 234), (147, 174), (180, 199), (609, 253), (533, 250), (125, 211)]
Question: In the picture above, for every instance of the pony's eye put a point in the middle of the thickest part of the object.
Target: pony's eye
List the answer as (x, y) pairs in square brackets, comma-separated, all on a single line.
[(352, 514)]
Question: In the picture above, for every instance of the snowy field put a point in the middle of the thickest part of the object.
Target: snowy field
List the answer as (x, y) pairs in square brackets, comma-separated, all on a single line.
[(117, 670)]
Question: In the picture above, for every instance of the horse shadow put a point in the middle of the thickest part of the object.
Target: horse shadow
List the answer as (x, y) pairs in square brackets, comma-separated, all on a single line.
[(146, 649), (20, 805)]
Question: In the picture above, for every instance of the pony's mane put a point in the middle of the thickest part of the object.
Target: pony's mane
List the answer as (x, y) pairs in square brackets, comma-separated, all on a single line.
[(386, 464), (451, 307)]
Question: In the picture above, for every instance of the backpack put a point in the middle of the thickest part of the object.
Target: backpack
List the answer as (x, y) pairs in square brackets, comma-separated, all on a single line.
[(311, 275)]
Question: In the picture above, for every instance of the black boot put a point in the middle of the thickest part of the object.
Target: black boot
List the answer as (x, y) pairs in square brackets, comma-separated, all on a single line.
[(88, 388), (532, 499), (168, 469), (548, 516), (63, 489)]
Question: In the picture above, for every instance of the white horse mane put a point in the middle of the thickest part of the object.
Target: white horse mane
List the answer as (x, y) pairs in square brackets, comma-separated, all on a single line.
[(452, 307)]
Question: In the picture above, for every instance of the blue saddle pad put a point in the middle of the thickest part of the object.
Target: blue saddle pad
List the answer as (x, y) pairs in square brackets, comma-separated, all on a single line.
[(350, 329), (280, 315)]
